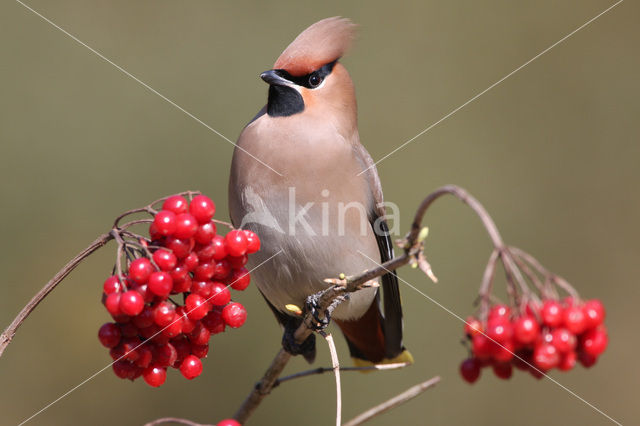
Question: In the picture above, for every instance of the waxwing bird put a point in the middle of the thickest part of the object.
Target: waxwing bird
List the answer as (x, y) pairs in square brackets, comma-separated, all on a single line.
[(316, 215)]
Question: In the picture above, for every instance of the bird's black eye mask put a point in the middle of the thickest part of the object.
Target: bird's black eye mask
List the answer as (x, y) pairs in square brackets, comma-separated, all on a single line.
[(311, 80), (285, 101)]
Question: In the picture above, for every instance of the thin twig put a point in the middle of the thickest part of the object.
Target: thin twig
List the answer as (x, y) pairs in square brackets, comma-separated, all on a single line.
[(397, 400), (10, 331), (336, 370), (175, 420), (322, 370)]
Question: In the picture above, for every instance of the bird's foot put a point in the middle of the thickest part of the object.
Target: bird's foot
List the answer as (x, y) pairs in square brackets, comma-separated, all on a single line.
[(306, 348), (322, 317)]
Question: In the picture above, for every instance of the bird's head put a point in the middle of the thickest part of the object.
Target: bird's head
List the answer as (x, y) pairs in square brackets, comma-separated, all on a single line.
[(307, 76)]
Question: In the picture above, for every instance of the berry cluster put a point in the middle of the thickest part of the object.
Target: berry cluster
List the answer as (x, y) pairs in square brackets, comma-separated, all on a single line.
[(553, 335), (185, 255)]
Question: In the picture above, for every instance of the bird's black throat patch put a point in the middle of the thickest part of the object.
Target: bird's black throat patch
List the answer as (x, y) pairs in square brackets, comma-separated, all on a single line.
[(284, 101)]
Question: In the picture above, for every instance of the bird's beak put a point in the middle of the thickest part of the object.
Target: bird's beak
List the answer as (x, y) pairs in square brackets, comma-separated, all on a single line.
[(273, 78)]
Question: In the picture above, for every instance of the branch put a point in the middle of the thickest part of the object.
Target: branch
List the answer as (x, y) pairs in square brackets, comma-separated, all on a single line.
[(397, 400), (322, 370), (175, 420), (336, 369), (10, 331)]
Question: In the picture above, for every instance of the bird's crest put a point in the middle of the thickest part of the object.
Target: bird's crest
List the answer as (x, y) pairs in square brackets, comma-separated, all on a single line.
[(321, 43)]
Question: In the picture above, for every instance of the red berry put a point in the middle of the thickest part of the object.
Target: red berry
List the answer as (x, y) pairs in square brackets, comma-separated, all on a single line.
[(200, 335), (503, 352), (202, 288), (253, 242), (500, 332), (154, 233), (128, 329), (197, 306), (204, 271), (165, 354), (228, 422), (551, 313), (563, 340), (240, 279), (593, 311), (214, 322), (499, 313), (568, 361), (181, 248), (160, 284), (130, 348), (112, 285), (191, 261), (176, 203), (165, 260), (183, 349), (546, 356), (587, 360), (109, 335), (124, 369), (205, 233), (575, 319), (131, 303), (472, 325), (191, 367), (202, 208), (182, 286), (200, 351), (503, 370), (188, 325), (112, 303), (221, 270), (173, 329), (470, 369), (236, 242), (164, 314), (219, 248), (154, 375), (220, 294), (526, 329), (140, 269), (237, 261), (165, 222), (594, 341), (144, 319), (234, 314), (146, 356), (481, 346), (186, 226)]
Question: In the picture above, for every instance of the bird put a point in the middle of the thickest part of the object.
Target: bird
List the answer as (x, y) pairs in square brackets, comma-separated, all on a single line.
[(296, 181)]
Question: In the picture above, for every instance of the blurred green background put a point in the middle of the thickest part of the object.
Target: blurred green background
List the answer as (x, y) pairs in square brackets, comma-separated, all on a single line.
[(552, 152)]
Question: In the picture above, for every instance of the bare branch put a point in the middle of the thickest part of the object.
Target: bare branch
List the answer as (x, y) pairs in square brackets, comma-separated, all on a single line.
[(336, 369), (10, 331), (397, 400), (175, 420), (322, 370)]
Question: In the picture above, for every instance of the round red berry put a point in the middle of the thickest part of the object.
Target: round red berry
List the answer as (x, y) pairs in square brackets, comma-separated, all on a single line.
[(202, 208), (164, 314), (240, 279), (503, 352), (472, 326), (165, 354), (176, 203), (144, 319), (124, 369), (500, 332), (200, 351), (131, 303), (181, 248), (220, 294), (499, 313), (165, 222), (568, 361), (191, 261), (160, 284), (197, 306), (470, 369), (237, 261), (593, 311), (204, 271), (481, 346), (200, 335), (219, 248), (574, 319), (563, 340), (253, 242), (587, 360), (109, 335), (154, 375), (552, 313), (228, 422), (191, 367), (140, 269), (165, 260), (186, 226), (112, 285), (234, 314), (205, 233), (221, 270), (503, 370), (112, 303), (236, 242), (526, 329), (546, 356), (214, 322), (594, 341)]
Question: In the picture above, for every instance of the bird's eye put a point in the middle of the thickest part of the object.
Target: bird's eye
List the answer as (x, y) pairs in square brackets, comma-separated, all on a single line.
[(314, 80)]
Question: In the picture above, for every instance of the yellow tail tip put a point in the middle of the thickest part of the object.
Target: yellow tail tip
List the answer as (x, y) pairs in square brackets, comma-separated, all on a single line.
[(404, 357)]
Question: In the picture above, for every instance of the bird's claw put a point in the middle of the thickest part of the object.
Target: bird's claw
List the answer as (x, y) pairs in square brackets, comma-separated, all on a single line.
[(321, 318)]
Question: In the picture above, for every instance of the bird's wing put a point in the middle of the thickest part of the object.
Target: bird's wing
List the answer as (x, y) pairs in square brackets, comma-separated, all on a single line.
[(392, 322)]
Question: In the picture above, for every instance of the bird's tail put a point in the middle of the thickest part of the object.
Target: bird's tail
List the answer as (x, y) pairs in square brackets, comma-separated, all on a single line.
[(366, 340)]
